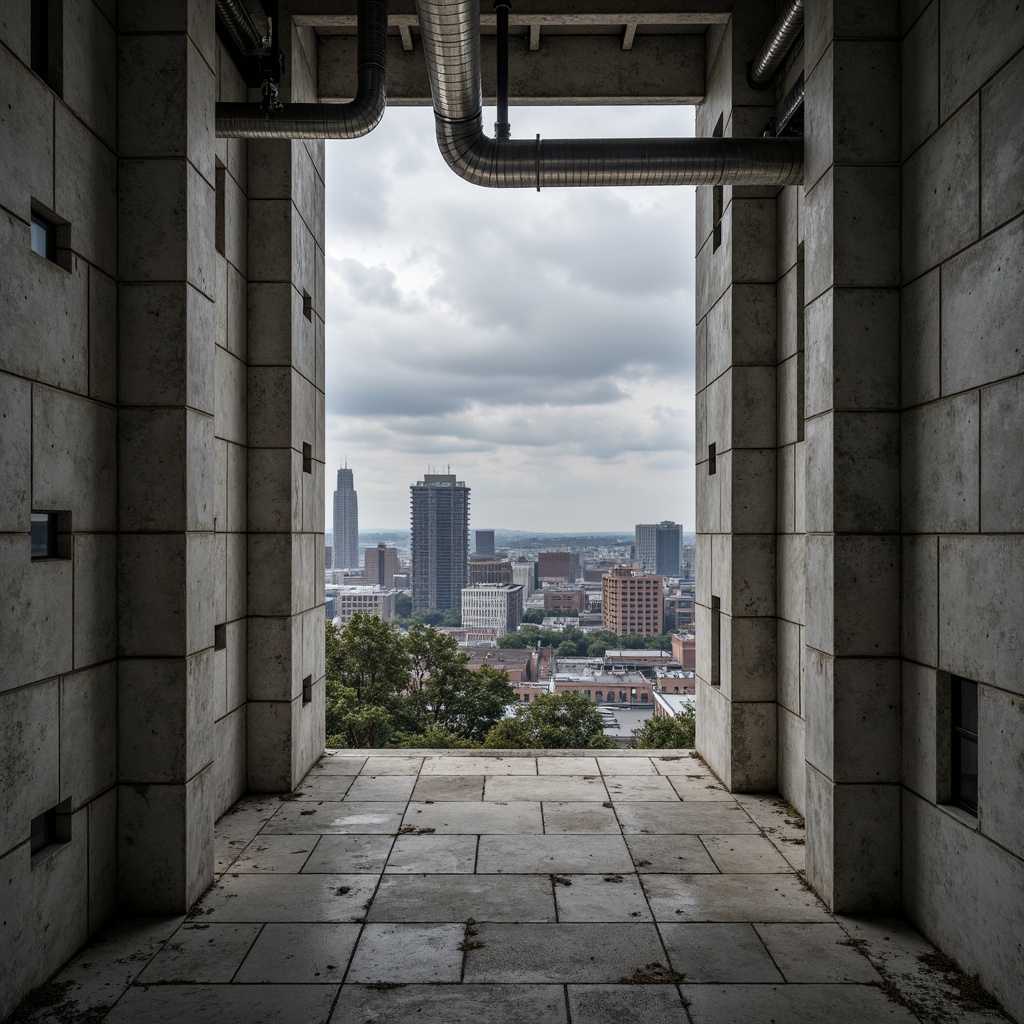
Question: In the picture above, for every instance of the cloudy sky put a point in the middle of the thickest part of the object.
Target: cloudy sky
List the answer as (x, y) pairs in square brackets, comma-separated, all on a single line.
[(539, 343)]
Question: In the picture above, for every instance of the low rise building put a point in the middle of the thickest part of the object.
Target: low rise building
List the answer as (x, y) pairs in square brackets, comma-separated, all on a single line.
[(631, 603), (372, 600), (684, 649), (564, 599), (559, 565), (492, 606), (522, 666)]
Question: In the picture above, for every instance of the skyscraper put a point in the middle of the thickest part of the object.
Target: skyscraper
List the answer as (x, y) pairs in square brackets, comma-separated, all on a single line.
[(485, 542), (346, 522), (440, 542), (658, 547)]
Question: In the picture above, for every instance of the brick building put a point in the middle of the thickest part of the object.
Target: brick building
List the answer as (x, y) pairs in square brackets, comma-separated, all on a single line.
[(632, 603)]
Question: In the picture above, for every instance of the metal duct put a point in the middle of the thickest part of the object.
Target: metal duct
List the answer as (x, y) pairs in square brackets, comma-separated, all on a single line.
[(324, 120), (792, 104), (777, 45), (450, 33), (236, 21)]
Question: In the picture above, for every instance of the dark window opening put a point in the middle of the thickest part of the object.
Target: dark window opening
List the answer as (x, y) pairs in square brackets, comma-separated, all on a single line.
[(221, 215), (307, 458), (964, 744), (220, 637), (307, 690), (716, 641), (307, 305), (717, 200), (50, 830), (712, 459), (47, 56), (44, 535), (44, 830), (44, 237)]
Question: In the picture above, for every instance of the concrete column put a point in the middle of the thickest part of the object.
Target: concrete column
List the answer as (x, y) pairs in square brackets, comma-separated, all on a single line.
[(286, 446), (166, 553), (851, 451), (736, 431)]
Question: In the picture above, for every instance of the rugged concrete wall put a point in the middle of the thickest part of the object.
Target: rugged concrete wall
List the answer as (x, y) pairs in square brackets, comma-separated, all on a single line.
[(58, 427), (962, 423)]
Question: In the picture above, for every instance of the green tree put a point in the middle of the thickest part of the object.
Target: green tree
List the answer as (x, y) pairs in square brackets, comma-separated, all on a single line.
[(469, 703), (677, 731), (403, 606), (515, 641), (566, 649), (534, 615), (552, 721), (372, 659)]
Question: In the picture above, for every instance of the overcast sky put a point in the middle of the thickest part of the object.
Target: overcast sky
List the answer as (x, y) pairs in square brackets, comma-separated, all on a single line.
[(539, 343)]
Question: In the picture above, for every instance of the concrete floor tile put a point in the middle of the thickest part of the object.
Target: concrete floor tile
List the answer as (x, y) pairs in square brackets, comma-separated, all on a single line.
[(483, 765), (731, 953), (449, 787), (677, 764), (682, 818), (626, 766), (299, 954), (732, 898), (640, 787), (440, 898), (332, 817), (567, 766), (291, 898), (407, 953), (225, 1004), (553, 854), (562, 953), (745, 854), (626, 1004), (470, 818), (237, 826), (201, 953), (785, 830), (816, 953), (792, 1004), (381, 788), (705, 788), (349, 855), (338, 763), (324, 787), (601, 898), (285, 854), (433, 855), (547, 787), (452, 1004), (397, 765), (656, 855), (572, 818)]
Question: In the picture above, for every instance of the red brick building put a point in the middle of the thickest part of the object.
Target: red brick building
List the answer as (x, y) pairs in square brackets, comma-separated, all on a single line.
[(559, 565), (557, 601), (632, 603)]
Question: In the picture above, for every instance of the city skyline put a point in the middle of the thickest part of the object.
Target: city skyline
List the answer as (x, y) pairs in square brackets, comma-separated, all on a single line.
[(544, 365)]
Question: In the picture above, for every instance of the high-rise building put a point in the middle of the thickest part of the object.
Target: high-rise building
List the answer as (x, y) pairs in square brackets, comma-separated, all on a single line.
[(492, 606), (346, 522), (380, 565), (524, 572), (632, 603), (490, 570), (440, 542), (559, 565), (658, 547), (484, 542)]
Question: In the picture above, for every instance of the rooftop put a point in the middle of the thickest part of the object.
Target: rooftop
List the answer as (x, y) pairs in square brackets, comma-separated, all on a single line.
[(506, 887)]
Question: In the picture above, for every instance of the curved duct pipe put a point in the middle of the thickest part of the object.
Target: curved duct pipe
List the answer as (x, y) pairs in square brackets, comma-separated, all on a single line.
[(244, 34), (777, 45), (324, 120), (450, 33)]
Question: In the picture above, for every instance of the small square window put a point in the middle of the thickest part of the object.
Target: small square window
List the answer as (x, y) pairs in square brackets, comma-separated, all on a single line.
[(964, 744), (307, 458), (307, 305), (44, 535), (50, 831), (44, 237)]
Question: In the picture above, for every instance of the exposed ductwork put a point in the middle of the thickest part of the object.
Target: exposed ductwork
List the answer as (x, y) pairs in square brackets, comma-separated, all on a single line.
[(791, 107), (323, 120), (239, 26), (450, 34), (777, 45)]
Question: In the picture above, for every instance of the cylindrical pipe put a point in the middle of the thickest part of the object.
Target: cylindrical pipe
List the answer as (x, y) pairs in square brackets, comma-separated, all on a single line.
[(324, 120), (450, 32), (235, 19), (502, 128), (777, 45), (792, 102)]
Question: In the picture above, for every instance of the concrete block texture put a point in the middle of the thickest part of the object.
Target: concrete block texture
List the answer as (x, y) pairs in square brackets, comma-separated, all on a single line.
[(102, 823), (15, 454), (1002, 427), (88, 737), (90, 67), (940, 194), (920, 79), (923, 745), (982, 573), (30, 766), (229, 768), (920, 599), (1002, 139), (275, 646), (165, 844), (826, 20), (748, 659), (940, 466), (792, 769), (1000, 787), (714, 737), (165, 718), (980, 339), (102, 336), (789, 672), (965, 893), (920, 359), (753, 747)]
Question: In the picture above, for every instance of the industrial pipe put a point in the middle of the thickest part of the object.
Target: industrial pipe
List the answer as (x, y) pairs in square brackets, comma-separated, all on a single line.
[(323, 120), (502, 128), (450, 33), (244, 34), (792, 102), (777, 45)]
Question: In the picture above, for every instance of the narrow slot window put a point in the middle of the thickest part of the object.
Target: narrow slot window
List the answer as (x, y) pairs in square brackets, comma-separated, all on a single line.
[(44, 237), (50, 831), (307, 458), (717, 200), (712, 459), (307, 305), (307, 690), (220, 637), (47, 52), (964, 744), (716, 641), (219, 178), (44, 535)]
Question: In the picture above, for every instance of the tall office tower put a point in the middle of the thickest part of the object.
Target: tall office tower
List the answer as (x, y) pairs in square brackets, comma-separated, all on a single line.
[(380, 565), (658, 547), (440, 542), (346, 522), (524, 573), (484, 542)]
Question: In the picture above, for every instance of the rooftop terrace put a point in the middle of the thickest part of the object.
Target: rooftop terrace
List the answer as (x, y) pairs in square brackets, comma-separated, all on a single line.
[(556, 889)]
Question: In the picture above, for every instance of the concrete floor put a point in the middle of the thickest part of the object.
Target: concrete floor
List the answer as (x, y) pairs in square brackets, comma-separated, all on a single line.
[(449, 888)]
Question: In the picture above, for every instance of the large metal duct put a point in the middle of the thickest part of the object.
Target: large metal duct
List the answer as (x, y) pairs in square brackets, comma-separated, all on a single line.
[(450, 33), (237, 23), (324, 120), (777, 45)]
